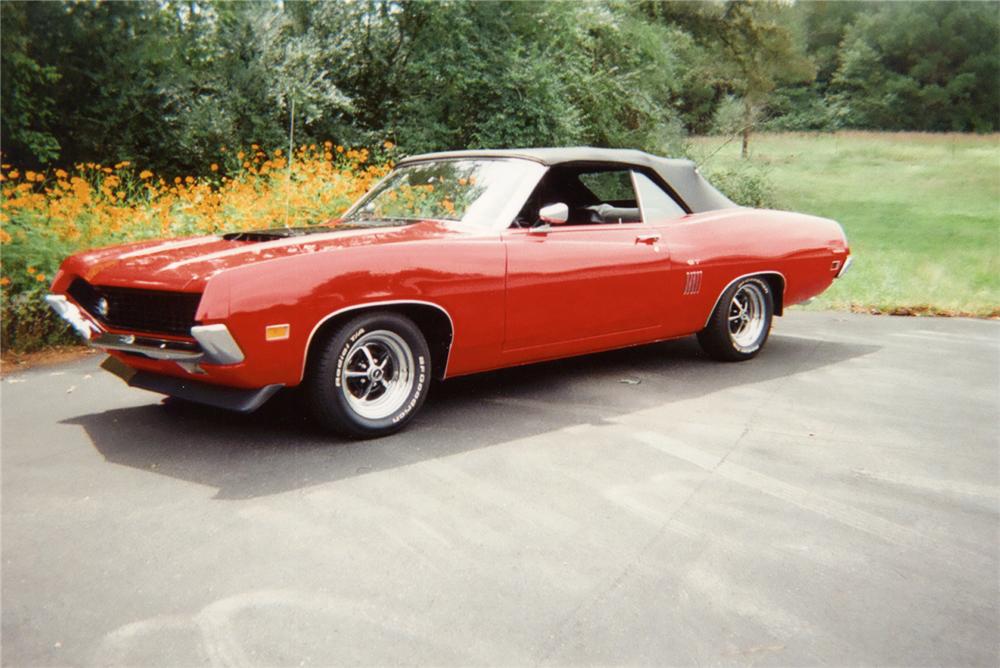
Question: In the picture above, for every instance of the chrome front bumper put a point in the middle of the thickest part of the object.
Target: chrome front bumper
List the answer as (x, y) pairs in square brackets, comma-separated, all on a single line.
[(69, 312), (215, 343), (157, 349)]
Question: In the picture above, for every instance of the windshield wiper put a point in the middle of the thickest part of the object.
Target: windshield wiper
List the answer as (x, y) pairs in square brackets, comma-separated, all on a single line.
[(377, 221)]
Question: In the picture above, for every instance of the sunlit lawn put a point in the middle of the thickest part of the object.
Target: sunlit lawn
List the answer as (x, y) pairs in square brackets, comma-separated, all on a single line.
[(921, 211)]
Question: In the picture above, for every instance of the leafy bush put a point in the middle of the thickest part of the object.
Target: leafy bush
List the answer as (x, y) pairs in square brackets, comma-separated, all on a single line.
[(746, 184), (802, 109), (47, 216), (28, 324), (728, 117)]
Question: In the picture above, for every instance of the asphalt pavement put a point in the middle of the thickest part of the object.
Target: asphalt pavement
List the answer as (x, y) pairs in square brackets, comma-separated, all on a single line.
[(834, 501)]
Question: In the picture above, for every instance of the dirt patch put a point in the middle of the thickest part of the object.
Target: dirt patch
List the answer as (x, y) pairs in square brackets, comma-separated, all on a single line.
[(924, 310), (14, 362)]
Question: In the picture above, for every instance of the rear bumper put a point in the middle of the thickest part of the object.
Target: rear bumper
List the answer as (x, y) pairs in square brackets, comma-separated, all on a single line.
[(220, 396), (847, 265)]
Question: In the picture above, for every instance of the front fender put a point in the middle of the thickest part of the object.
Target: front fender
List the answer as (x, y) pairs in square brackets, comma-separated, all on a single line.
[(465, 279)]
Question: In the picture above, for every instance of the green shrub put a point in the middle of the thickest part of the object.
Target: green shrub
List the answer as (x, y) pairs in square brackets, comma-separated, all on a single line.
[(746, 184), (28, 324)]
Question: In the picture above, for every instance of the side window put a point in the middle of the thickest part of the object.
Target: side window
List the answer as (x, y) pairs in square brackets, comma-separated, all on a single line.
[(594, 195), (656, 204), (609, 186)]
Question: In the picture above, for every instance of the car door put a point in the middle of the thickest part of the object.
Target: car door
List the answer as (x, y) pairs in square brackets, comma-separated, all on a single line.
[(592, 282)]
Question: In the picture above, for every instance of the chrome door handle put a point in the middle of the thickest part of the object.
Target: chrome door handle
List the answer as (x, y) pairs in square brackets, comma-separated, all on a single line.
[(647, 238)]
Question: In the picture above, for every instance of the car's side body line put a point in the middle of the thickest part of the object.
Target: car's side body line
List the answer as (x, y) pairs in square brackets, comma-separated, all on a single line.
[(376, 304), (715, 305)]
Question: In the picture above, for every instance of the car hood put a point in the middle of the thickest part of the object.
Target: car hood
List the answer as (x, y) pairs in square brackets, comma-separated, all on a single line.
[(187, 264)]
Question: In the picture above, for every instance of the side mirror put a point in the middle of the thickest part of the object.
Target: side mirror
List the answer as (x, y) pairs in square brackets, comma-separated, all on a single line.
[(554, 214)]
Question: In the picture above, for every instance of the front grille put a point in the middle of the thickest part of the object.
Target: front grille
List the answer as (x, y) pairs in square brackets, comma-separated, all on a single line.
[(156, 311)]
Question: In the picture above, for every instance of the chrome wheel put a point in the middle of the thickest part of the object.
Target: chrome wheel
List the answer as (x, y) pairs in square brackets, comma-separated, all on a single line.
[(747, 316), (377, 374)]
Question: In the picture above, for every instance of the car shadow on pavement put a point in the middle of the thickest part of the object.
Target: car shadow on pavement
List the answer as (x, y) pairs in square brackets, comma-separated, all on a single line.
[(278, 449)]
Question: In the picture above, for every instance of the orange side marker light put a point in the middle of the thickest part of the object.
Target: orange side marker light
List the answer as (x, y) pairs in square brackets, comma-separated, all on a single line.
[(277, 332)]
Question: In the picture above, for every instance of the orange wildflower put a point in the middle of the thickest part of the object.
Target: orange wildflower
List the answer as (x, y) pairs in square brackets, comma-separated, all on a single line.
[(88, 205)]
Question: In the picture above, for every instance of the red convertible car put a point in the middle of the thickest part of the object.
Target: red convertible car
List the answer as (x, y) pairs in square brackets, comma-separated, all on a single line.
[(453, 264)]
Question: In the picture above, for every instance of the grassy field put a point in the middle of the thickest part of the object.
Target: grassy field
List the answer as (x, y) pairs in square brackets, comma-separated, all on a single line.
[(921, 211)]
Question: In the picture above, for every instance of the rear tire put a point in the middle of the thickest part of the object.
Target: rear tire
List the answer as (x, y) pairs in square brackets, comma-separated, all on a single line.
[(740, 323), (369, 377)]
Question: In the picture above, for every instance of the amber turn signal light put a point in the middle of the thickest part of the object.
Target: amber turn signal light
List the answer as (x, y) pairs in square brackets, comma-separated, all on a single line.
[(277, 332)]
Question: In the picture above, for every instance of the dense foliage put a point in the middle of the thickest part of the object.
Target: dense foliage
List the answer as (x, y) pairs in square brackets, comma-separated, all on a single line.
[(164, 83)]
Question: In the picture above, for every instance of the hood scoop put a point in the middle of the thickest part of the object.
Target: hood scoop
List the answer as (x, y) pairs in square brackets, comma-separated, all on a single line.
[(277, 233)]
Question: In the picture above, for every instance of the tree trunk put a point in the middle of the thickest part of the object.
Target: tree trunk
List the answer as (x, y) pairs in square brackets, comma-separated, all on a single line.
[(747, 122)]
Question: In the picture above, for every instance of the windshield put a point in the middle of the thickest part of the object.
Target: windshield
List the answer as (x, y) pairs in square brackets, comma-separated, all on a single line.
[(478, 191)]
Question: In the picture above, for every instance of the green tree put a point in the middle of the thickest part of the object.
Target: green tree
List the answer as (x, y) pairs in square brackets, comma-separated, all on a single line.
[(111, 58), (923, 66), (760, 53), (166, 82), (28, 107), (623, 74), (476, 75), (751, 49)]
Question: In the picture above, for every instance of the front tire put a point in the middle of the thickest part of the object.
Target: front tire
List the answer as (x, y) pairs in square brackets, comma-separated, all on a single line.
[(370, 376), (740, 323)]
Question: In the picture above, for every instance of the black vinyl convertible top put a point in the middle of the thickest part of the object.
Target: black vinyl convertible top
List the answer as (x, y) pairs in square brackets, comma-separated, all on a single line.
[(681, 175)]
